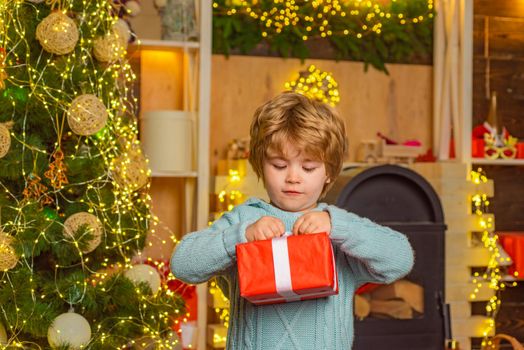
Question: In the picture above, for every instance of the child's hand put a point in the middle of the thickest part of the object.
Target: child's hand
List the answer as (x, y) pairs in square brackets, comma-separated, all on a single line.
[(265, 228), (313, 222)]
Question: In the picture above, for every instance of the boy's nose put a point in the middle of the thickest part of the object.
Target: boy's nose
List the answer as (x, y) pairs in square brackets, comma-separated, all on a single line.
[(292, 176)]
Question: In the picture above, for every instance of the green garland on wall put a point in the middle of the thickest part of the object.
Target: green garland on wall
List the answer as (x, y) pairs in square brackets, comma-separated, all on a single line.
[(400, 31)]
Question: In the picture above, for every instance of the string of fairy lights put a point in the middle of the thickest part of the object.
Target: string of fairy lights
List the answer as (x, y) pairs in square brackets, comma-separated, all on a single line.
[(492, 276), (320, 19), (120, 225)]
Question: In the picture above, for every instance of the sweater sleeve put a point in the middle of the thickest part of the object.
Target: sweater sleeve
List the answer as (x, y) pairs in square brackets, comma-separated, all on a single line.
[(382, 254), (202, 254)]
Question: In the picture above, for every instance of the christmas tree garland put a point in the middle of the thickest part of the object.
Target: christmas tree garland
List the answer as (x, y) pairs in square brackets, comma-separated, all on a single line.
[(355, 29)]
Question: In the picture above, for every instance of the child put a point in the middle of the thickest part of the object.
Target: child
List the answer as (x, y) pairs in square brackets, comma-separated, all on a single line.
[(297, 148)]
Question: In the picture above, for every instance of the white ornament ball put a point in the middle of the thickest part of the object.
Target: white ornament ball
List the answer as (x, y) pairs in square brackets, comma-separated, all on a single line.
[(145, 273), (8, 257), (122, 30), (69, 329), (3, 335), (57, 33), (75, 221), (5, 140), (87, 115), (133, 8)]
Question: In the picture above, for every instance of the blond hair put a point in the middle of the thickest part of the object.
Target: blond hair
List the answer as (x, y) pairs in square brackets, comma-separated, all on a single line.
[(313, 127)]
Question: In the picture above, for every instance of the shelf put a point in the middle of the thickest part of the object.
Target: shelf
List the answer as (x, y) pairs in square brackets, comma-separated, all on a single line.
[(511, 279), (163, 45), (497, 161), (187, 174)]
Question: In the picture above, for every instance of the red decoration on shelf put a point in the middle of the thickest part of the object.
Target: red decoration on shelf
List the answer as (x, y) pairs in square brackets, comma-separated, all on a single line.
[(513, 244)]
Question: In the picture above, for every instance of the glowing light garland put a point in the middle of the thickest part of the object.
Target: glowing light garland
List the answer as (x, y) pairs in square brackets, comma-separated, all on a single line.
[(123, 207), (321, 17), (492, 276), (228, 197)]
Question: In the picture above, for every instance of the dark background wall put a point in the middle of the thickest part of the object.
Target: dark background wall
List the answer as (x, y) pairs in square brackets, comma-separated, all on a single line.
[(499, 66)]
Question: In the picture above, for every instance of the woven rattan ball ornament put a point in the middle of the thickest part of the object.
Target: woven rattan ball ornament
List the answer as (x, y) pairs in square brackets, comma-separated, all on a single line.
[(5, 140), (131, 169), (3, 335), (75, 221), (57, 33), (110, 47), (87, 115), (8, 258)]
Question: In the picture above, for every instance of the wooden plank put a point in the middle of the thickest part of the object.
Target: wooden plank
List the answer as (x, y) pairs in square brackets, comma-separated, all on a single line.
[(462, 187), (370, 101), (463, 291), (469, 257), (460, 309), (448, 170), (506, 37), (471, 223), (508, 204), (503, 8), (456, 275), (473, 326), (455, 205)]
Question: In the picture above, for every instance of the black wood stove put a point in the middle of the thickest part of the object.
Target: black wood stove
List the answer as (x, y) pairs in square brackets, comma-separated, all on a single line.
[(403, 200)]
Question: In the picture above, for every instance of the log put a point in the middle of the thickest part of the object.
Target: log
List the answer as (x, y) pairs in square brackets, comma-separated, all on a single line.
[(361, 307), (398, 309), (410, 292)]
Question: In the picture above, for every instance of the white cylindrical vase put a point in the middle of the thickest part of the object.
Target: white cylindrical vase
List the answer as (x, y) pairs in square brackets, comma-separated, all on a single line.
[(167, 139)]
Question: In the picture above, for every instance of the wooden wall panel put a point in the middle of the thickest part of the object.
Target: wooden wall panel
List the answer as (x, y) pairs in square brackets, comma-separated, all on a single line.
[(398, 105), (507, 79), (503, 8), (508, 203)]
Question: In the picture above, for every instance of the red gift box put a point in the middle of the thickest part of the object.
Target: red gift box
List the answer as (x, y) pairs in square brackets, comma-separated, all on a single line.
[(287, 268)]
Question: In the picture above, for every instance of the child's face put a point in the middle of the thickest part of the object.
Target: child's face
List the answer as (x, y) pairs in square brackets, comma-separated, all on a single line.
[(293, 180)]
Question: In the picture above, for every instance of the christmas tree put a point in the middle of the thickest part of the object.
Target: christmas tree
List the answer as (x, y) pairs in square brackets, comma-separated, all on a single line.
[(74, 203)]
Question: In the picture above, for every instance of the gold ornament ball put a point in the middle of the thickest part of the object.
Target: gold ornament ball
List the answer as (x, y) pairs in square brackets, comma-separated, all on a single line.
[(5, 140), (75, 221), (110, 47), (57, 33), (69, 329), (131, 169), (144, 273), (8, 258), (3, 335), (87, 115)]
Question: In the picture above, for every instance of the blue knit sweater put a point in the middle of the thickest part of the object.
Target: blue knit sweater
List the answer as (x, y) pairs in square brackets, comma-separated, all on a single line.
[(364, 252)]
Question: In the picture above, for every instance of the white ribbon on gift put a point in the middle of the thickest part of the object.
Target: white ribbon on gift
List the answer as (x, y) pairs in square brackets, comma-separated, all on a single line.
[(282, 268)]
